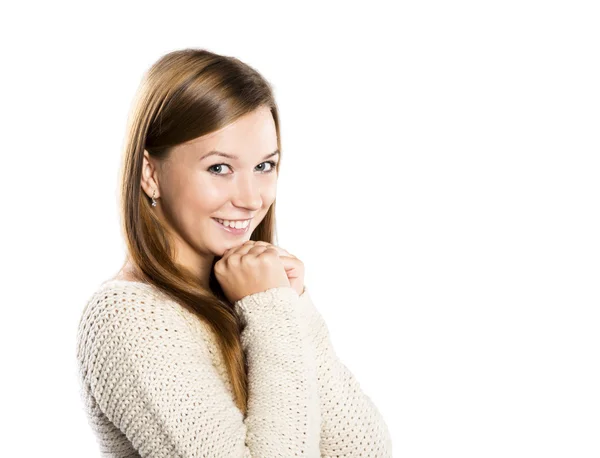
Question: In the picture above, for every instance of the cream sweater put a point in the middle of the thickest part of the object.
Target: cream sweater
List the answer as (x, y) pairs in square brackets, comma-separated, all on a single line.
[(153, 382)]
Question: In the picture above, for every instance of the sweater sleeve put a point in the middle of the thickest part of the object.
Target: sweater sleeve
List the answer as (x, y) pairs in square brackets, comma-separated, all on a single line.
[(352, 426), (155, 381)]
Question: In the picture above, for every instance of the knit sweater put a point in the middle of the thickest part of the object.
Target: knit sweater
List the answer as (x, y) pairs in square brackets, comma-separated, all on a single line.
[(153, 382)]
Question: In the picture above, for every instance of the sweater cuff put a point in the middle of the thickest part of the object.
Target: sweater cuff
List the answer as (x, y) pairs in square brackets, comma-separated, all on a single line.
[(274, 300), (306, 305)]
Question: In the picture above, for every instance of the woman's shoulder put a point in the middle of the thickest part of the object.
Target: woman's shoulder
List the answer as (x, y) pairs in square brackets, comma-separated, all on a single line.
[(129, 310), (137, 320), (134, 312), (118, 294)]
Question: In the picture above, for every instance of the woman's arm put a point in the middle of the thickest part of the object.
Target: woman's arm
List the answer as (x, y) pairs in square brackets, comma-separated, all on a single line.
[(155, 381), (351, 424)]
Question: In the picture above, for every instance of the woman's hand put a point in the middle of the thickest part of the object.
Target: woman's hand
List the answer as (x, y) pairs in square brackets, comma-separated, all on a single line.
[(250, 268), (294, 267)]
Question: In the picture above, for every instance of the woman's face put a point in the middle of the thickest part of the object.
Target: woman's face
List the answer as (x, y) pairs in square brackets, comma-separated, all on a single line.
[(195, 187)]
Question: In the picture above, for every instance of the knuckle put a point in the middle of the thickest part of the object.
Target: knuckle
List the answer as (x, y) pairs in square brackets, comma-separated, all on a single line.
[(271, 254), (249, 258)]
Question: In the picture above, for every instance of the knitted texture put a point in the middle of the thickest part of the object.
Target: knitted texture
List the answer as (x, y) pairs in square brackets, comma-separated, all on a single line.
[(153, 382)]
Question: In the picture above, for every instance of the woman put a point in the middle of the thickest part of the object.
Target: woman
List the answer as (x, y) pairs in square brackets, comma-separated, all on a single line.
[(206, 343)]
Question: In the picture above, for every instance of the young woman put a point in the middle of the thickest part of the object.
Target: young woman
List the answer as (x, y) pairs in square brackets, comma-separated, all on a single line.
[(206, 343)]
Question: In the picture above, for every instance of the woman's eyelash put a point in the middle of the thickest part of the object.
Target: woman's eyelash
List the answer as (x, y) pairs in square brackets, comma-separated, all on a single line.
[(273, 165)]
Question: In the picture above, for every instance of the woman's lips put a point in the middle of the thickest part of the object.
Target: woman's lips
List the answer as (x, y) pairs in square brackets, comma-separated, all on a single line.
[(232, 230)]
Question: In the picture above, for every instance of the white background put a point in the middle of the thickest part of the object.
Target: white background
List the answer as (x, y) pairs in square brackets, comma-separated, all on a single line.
[(440, 182)]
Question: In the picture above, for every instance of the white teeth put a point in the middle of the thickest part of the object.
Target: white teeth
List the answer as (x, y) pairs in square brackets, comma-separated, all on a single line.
[(234, 224)]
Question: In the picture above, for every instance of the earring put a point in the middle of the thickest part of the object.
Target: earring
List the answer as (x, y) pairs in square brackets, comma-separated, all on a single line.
[(153, 199)]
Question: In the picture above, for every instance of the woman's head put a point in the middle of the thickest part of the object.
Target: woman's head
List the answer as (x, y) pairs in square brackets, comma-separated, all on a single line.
[(195, 185), (191, 103)]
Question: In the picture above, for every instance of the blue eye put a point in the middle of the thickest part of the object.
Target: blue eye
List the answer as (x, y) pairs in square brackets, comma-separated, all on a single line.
[(271, 169)]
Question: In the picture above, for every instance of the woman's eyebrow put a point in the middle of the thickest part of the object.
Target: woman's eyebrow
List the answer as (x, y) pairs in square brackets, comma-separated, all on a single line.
[(232, 156)]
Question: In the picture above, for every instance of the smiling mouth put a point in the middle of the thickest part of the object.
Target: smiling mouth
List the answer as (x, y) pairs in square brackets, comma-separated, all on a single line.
[(233, 229), (222, 221)]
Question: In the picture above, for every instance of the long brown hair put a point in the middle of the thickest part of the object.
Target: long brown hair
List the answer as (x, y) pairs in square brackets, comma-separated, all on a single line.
[(184, 95)]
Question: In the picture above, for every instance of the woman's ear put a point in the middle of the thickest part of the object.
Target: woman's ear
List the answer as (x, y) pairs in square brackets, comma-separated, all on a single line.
[(149, 180)]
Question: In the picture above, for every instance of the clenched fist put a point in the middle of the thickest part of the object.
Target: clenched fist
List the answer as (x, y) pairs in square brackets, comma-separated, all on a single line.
[(250, 268)]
